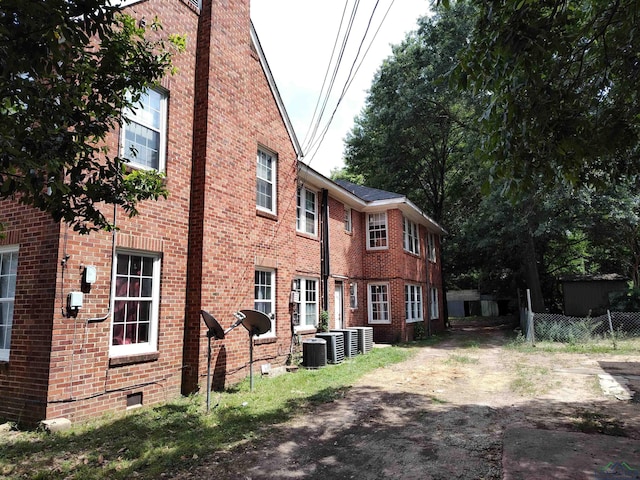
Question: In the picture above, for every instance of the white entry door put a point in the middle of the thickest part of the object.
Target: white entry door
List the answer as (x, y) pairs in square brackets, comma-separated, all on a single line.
[(338, 297)]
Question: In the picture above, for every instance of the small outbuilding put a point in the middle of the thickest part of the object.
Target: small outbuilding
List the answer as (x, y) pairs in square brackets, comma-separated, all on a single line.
[(585, 294)]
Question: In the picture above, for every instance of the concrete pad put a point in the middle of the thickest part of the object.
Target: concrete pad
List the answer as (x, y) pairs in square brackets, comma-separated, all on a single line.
[(530, 454), (615, 385)]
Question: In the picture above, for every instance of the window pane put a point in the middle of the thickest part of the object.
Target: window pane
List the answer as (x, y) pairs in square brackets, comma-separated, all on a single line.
[(143, 332), (145, 312), (118, 311), (123, 264), (135, 266), (118, 334), (132, 312), (121, 287), (134, 287), (264, 181), (377, 230), (146, 287)]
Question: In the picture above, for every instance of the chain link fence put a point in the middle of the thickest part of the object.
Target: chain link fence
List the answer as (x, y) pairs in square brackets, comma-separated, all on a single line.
[(552, 327)]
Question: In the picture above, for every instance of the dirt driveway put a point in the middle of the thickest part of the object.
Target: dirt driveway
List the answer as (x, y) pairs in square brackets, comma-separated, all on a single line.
[(441, 415)]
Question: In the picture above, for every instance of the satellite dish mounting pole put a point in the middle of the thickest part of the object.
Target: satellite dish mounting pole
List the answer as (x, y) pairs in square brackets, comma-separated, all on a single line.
[(251, 361), (208, 369)]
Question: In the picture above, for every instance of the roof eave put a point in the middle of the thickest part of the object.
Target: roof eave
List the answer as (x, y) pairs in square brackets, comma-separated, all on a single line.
[(275, 92)]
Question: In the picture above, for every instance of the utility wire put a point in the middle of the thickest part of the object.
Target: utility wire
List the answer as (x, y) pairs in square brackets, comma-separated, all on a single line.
[(334, 75), (326, 74), (314, 145)]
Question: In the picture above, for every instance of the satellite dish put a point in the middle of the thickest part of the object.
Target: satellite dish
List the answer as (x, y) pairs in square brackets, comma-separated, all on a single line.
[(215, 330), (256, 322)]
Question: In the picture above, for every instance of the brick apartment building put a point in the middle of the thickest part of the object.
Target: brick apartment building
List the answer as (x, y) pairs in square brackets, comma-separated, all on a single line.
[(245, 224)]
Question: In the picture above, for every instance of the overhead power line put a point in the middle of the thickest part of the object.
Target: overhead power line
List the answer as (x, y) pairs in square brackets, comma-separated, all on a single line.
[(315, 141)]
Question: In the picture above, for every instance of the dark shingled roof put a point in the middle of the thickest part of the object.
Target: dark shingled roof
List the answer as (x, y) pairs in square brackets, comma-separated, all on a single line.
[(367, 194)]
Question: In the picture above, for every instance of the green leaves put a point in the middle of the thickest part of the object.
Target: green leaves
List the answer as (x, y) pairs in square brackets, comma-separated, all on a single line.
[(563, 87), (65, 66), (413, 126)]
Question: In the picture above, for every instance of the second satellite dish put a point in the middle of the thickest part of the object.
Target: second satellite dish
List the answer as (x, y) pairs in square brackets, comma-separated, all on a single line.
[(257, 323)]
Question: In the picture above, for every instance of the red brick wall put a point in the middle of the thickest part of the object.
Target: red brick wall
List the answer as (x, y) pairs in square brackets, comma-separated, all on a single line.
[(84, 380), (23, 380), (72, 353), (346, 251), (237, 115)]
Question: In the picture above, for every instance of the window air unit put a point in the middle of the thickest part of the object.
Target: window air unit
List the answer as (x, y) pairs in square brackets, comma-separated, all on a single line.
[(335, 346), (314, 353), (365, 339), (350, 341)]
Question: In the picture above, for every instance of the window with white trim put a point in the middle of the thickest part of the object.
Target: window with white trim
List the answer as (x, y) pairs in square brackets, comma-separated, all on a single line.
[(266, 182), (410, 235), (377, 231), (347, 219), (308, 313), (265, 297), (144, 131), (306, 216), (434, 312), (136, 296), (413, 302), (353, 295), (8, 275), (378, 300), (431, 247)]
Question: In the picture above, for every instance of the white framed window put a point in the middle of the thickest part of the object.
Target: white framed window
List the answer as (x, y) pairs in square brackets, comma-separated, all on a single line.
[(266, 175), (378, 300), (308, 306), (413, 303), (377, 231), (306, 216), (136, 298), (144, 131), (431, 247), (410, 235), (347, 219), (353, 295), (434, 311), (265, 297), (8, 275)]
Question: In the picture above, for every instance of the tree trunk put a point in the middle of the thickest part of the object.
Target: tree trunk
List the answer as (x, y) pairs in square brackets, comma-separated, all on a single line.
[(532, 276)]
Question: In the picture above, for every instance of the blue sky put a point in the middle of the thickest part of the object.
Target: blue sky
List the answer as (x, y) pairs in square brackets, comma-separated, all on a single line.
[(298, 36)]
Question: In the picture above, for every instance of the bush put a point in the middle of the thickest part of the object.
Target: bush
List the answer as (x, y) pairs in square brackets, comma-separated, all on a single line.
[(628, 301), (323, 325), (566, 332), (419, 332)]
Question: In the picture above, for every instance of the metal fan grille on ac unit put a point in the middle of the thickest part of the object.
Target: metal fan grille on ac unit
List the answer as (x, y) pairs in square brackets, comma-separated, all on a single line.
[(365, 339), (350, 341), (335, 346)]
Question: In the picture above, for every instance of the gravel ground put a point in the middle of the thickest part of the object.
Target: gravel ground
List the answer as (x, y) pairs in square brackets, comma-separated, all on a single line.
[(440, 415)]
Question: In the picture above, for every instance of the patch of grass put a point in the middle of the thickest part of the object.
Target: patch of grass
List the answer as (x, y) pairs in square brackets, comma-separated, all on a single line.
[(437, 401), (461, 359), (530, 380), (594, 422), (623, 347), (172, 437), (470, 344)]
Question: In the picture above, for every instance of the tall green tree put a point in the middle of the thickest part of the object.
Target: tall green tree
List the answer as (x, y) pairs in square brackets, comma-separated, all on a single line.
[(414, 126), (614, 228), (68, 68), (562, 78)]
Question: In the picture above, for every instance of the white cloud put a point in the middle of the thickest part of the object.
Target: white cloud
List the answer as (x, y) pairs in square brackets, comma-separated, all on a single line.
[(298, 36)]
